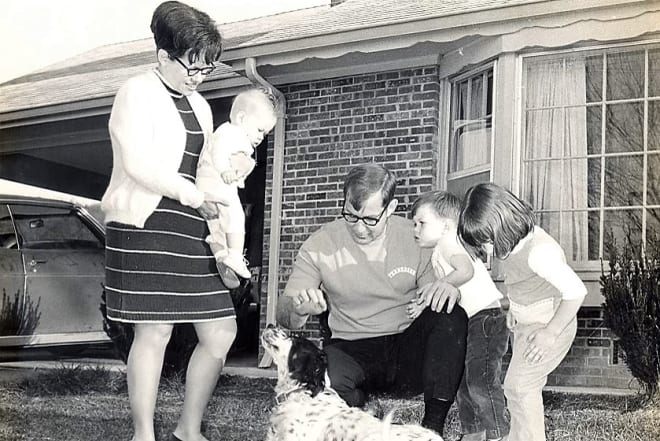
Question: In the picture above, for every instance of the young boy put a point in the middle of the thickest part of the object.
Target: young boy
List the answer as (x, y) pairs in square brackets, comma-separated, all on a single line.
[(480, 397), (223, 167)]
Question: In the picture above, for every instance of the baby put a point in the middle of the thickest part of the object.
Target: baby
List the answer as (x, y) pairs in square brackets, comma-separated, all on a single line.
[(223, 166)]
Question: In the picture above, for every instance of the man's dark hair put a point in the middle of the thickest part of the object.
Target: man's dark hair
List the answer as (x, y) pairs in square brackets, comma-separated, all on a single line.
[(365, 180)]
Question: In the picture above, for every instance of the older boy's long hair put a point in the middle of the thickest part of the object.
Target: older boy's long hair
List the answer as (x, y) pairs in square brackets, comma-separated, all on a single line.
[(492, 214)]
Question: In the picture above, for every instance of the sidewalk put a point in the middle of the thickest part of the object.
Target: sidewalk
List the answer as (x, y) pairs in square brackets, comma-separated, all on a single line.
[(240, 364)]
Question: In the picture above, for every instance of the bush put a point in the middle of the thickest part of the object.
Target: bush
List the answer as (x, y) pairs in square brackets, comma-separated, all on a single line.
[(18, 316), (632, 312)]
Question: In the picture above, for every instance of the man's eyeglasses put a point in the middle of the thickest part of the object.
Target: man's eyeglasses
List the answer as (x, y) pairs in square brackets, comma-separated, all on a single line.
[(192, 71), (369, 221)]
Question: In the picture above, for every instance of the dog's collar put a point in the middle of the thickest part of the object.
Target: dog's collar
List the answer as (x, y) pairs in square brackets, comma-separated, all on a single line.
[(283, 396)]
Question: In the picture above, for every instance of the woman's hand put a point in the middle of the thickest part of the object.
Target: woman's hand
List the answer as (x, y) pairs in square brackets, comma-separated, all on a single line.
[(209, 210), (539, 342)]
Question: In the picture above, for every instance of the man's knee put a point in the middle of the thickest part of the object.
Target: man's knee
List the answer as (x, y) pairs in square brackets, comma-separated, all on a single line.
[(346, 376)]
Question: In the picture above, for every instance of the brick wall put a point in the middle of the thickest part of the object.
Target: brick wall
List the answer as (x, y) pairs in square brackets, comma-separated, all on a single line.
[(334, 124)]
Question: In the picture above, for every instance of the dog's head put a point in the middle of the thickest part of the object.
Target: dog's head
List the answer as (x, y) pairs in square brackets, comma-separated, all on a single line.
[(298, 360)]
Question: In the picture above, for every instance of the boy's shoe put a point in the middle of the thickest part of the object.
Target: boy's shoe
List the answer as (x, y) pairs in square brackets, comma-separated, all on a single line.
[(229, 278), (238, 263)]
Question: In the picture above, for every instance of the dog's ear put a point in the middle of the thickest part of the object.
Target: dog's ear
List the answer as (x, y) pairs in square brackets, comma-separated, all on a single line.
[(308, 365)]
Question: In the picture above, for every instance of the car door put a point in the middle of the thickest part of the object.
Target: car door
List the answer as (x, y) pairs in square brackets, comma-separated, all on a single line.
[(15, 314), (64, 264)]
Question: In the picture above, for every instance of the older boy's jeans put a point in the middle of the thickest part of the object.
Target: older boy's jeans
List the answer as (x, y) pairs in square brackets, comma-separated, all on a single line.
[(480, 397), (524, 382)]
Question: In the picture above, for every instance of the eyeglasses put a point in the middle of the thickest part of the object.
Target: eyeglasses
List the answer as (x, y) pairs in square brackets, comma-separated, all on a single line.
[(192, 71), (369, 221)]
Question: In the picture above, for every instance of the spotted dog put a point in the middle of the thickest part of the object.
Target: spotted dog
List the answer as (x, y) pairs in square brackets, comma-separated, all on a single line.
[(308, 409)]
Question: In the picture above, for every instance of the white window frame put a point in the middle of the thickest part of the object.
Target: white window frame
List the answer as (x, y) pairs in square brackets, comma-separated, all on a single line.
[(449, 175), (645, 45)]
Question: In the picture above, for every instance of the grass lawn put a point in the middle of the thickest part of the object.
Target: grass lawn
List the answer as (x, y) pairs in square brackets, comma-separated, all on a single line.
[(72, 403)]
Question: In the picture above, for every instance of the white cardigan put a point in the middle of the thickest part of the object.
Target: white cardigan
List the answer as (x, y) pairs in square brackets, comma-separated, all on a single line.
[(148, 141)]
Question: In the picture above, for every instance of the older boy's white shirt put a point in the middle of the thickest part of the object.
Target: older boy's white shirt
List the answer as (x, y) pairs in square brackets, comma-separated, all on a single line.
[(480, 291), (548, 261)]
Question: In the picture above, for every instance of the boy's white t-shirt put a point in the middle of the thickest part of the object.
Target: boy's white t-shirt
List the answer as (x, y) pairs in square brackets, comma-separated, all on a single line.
[(480, 291)]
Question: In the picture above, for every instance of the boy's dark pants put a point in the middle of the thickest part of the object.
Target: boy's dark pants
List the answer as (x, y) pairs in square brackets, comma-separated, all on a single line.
[(427, 357), (480, 398)]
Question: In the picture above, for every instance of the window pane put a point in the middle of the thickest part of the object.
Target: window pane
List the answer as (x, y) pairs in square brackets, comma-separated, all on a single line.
[(544, 134), (574, 188), (575, 132), (623, 181), (625, 75), (594, 235), (549, 222), (622, 228), (476, 110), (654, 125), (594, 129), (654, 72), (540, 187), (624, 131), (573, 238), (594, 176), (594, 75), (459, 186), (46, 227), (653, 180), (653, 232)]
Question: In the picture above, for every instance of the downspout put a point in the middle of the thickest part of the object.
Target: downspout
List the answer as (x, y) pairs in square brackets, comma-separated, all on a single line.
[(276, 200)]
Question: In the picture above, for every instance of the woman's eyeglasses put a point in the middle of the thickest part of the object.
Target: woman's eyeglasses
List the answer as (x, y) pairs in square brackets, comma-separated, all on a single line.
[(369, 221), (192, 71)]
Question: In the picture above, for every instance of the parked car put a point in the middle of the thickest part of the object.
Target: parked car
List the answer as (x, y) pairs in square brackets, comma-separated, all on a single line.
[(51, 273)]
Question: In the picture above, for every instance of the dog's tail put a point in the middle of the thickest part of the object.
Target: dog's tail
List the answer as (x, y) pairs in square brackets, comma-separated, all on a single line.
[(427, 435), (387, 423)]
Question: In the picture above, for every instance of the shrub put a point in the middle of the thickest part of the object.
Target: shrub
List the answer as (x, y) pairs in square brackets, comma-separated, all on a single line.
[(632, 312), (18, 316)]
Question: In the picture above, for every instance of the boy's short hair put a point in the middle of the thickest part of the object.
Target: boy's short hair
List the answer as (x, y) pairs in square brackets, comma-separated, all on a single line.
[(444, 204), (248, 99)]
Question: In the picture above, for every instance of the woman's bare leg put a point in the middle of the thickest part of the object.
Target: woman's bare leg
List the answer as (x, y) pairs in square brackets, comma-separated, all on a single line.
[(206, 363), (145, 363)]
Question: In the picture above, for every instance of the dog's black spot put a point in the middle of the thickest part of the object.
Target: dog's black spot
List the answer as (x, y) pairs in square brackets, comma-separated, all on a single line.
[(307, 365)]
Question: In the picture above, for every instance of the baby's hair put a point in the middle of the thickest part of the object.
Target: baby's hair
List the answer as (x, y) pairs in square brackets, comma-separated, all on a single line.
[(254, 96), (444, 204), (490, 213)]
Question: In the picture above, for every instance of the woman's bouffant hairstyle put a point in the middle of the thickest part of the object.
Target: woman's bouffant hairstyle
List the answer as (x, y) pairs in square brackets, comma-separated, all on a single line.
[(444, 204), (366, 179), (178, 28), (492, 214)]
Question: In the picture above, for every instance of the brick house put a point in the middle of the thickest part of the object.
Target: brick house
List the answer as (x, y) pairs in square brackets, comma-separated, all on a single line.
[(558, 101)]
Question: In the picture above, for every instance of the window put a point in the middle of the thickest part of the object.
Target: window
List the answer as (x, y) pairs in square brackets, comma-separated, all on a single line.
[(591, 147), (52, 228), (471, 121)]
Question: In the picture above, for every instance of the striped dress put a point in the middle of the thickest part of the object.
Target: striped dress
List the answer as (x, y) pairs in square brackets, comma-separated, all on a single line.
[(165, 272)]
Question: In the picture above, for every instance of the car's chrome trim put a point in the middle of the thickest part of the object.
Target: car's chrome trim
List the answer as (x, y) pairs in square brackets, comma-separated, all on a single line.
[(54, 339)]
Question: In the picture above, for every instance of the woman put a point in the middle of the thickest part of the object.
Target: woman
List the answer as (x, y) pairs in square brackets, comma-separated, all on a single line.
[(159, 270)]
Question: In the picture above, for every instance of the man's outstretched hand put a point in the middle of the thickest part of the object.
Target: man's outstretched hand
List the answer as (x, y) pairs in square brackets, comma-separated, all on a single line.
[(436, 294)]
